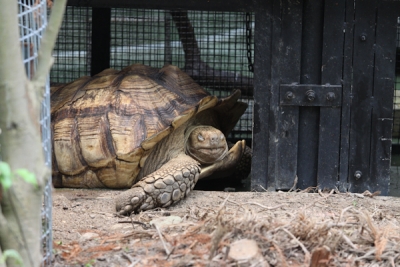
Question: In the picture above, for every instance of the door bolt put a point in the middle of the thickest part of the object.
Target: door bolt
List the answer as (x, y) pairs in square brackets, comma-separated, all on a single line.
[(330, 96), (357, 175), (310, 95), (289, 95)]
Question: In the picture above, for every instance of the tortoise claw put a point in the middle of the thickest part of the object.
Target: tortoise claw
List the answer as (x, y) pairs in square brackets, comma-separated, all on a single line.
[(130, 201)]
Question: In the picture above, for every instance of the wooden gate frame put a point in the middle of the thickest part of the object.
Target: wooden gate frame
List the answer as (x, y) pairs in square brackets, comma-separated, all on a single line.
[(343, 145)]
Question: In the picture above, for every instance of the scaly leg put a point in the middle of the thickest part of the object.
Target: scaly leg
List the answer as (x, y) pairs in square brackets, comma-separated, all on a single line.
[(166, 186)]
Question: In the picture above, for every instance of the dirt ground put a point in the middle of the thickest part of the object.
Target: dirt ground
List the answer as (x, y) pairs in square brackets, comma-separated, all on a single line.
[(288, 228)]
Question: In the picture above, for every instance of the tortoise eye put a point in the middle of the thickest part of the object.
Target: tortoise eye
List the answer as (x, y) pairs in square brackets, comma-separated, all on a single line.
[(200, 137)]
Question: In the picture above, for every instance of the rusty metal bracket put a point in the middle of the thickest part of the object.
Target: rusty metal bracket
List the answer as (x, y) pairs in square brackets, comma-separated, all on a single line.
[(310, 95)]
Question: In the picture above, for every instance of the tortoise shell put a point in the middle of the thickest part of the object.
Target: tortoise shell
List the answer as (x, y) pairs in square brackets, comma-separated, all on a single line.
[(105, 126)]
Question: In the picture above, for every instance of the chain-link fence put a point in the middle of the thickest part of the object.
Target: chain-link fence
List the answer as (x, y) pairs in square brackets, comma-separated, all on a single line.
[(32, 18)]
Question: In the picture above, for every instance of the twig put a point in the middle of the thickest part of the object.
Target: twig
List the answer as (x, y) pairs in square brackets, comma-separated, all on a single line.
[(254, 203), (306, 252), (222, 204), (167, 251), (342, 213), (228, 248), (263, 188), (193, 244), (391, 260), (280, 254), (265, 207), (348, 241), (325, 196), (218, 234), (296, 179), (131, 259)]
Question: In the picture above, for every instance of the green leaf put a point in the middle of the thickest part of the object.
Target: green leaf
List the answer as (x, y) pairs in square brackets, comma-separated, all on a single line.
[(11, 253), (28, 176), (5, 175)]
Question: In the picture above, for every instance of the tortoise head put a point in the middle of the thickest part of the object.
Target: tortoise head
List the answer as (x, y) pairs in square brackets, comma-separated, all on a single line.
[(206, 144)]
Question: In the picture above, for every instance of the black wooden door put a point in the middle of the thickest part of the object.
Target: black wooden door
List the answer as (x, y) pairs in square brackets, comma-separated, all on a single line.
[(330, 97)]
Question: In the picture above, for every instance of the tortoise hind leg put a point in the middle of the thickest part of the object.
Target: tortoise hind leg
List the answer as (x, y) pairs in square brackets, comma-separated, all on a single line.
[(166, 186)]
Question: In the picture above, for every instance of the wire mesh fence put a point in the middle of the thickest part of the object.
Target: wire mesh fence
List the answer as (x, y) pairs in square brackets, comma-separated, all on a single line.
[(214, 48), (32, 17)]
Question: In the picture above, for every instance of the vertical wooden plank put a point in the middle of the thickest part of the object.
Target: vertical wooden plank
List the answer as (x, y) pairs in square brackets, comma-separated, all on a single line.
[(331, 72), (101, 34), (262, 83), (362, 94), (283, 122), (384, 77), (311, 54), (343, 184)]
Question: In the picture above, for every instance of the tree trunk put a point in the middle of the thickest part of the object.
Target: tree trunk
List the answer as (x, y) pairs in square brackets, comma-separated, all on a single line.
[(20, 141)]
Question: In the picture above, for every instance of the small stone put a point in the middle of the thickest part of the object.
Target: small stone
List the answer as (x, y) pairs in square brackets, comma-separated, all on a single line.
[(148, 188), (229, 189), (165, 197), (176, 194), (92, 216), (159, 184), (185, 173), (169, 180), (178, 176), (244, 250), (88, 236), (117, 226)]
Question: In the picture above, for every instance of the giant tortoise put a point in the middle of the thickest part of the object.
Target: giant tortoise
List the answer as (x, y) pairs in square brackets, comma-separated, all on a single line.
[(154, 131)]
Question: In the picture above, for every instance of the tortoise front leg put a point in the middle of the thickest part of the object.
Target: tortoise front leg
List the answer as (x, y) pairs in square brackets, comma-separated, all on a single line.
[(227, 164), (166, 186)]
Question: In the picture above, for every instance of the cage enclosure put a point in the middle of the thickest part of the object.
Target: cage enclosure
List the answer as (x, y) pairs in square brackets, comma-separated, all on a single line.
[(216, 48), (318, 76)]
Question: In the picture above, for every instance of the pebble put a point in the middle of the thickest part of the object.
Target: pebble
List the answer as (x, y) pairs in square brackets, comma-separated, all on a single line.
[(88, 236), (166, 221)]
